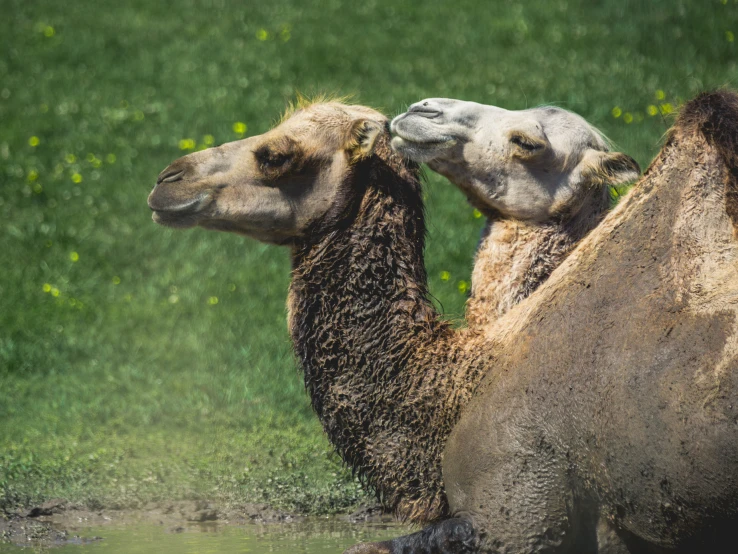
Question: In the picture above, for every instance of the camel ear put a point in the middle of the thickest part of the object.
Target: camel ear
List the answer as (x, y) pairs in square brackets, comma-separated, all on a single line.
[(608, 168), (364, 134)]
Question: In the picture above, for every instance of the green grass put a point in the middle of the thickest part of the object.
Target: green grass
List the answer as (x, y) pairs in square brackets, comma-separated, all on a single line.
[(121, 378)]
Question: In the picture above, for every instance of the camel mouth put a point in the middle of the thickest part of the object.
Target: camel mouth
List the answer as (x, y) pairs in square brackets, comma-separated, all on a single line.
[(180, 216), (175, 221), (421, 152), (418, 128), (416, 141)]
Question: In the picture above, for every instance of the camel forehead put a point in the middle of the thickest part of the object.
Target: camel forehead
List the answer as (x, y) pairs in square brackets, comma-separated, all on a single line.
[(331, 114), (567, 126), (323, 124), (558, 124)]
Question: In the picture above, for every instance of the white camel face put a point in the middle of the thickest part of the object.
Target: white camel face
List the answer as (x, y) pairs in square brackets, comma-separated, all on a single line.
[(527, 164)]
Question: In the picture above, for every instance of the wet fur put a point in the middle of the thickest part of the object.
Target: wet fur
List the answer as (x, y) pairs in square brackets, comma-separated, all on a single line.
[(371, 345)]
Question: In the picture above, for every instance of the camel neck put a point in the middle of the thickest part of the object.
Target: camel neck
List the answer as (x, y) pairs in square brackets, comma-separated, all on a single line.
[(367, 338), (515, 257), (362, 291)]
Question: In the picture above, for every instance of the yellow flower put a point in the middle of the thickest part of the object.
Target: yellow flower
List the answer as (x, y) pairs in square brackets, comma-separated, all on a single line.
[(33, 141), (70, 158), (666, 108), (54, 291), (74, 256), (628, 117), (652, 110), (445, 275), (76, 178), (463, 286), (116, 280), (476, 213), (616, 111), (49, 31), (208, 140), (239, 127), (729, 36), (262, 34), (186, 144), (32, 175), (660, 95), (46, 287), (213, 300), (110, 158)]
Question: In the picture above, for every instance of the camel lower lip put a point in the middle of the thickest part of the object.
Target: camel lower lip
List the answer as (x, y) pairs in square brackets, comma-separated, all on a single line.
[(174, 220), (415, 142)]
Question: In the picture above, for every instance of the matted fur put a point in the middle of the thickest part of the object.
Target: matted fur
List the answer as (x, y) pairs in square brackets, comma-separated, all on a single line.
[(374, 351)]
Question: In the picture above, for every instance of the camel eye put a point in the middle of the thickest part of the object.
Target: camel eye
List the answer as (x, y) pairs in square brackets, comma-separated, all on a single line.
[(277, 160), (526, 144), (270, 160)]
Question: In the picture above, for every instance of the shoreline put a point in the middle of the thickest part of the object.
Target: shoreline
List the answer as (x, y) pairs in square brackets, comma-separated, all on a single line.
[(58, 522)]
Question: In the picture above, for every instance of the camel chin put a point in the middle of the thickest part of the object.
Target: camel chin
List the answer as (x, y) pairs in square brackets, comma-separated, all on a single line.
[(421, 152), (174, 221)]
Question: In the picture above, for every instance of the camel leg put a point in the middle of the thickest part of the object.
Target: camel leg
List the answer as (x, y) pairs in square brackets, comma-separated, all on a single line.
[(608, 540), (452, 536)]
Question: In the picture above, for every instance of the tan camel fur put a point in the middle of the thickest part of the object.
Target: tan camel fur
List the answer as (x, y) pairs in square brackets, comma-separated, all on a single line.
[(540, 176), (598, 415)]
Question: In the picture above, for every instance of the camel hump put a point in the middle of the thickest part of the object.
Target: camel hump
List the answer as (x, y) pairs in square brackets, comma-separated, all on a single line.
[(714, 115)]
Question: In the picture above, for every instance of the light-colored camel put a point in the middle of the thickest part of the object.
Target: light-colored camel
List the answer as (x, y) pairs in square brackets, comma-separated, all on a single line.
[(540, 176), (606, 417)]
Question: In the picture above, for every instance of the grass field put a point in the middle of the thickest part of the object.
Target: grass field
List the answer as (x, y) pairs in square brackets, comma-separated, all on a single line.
[(139, 363)]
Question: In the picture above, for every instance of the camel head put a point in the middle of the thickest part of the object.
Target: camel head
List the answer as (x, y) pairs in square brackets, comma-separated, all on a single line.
[(274, 186), (531, 165)]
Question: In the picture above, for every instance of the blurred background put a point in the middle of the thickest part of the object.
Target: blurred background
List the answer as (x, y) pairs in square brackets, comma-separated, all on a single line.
[(139, 363)]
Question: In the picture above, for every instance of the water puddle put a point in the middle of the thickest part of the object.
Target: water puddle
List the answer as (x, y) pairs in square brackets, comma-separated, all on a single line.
[(323, 536)]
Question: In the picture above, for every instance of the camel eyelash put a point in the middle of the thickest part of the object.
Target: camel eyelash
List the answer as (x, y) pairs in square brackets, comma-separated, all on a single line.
[(525, 142), (270, 160)]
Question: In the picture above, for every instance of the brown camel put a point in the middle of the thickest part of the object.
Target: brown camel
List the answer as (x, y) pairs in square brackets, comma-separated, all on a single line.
[(606, 420), (540, 175), (386, 376)]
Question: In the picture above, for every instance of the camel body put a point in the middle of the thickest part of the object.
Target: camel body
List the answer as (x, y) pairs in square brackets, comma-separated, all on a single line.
[(570, 438), (615, 392)]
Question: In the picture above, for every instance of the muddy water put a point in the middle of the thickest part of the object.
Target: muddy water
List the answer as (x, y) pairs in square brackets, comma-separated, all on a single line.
[(306, 537)]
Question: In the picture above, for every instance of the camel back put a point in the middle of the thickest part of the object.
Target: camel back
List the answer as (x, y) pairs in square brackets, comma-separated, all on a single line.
[(628, 356)]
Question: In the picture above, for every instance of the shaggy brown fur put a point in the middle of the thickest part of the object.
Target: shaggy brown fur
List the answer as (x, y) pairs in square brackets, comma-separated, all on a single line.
[(386, 376), (370, 342)]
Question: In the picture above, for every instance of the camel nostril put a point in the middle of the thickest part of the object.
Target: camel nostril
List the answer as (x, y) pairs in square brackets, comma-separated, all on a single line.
[(424, 110), (170, 176)]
